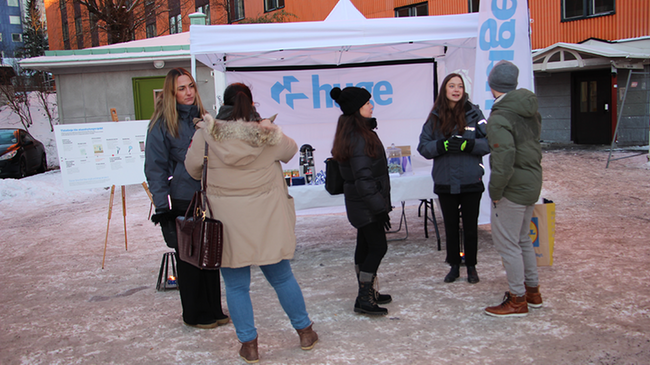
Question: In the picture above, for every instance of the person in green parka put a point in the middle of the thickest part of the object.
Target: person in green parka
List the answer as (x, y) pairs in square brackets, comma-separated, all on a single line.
[(513, 132)]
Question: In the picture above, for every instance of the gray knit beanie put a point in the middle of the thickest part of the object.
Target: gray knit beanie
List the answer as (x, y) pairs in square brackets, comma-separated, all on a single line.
[(503, 77)]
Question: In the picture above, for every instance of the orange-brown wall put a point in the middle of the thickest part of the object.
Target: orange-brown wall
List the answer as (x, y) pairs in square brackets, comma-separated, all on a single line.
[(53, 16), (632, 18)]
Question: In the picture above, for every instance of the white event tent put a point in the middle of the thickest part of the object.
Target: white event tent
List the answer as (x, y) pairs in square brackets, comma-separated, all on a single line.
[(399, 60), (345, 38)]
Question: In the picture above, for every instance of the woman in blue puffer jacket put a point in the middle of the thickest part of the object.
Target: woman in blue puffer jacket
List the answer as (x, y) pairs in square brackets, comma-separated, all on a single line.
[(454, 136), (171, 128)]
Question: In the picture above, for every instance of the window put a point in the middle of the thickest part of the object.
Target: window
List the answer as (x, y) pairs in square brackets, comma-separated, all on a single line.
[(588, 97), (151, 30), (205, 9), (175, 24), (94, 34), (78, 27), (270, 5), (14, 19), (578, 9), (12, 2), (236, 10), (473, 6), (16, 37), (79, 32), (421, 9), (64, 32)]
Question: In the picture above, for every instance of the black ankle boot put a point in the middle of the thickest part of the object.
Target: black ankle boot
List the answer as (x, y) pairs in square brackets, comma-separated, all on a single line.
[(365, 302), (380, 298), (472, 275), (454, 274)]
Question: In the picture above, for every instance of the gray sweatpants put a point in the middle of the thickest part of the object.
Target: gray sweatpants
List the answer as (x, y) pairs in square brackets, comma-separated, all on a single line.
[(510, 227)]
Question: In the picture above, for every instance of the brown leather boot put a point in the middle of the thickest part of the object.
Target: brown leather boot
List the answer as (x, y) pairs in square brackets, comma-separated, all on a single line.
[(308, 337), (248, 351), (512, 306), (533, 296)]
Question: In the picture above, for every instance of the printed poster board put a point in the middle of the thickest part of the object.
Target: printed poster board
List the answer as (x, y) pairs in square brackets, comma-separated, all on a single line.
[(97, 155)]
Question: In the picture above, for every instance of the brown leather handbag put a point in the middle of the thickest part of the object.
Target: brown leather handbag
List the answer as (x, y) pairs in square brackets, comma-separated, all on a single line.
[(200, 238)]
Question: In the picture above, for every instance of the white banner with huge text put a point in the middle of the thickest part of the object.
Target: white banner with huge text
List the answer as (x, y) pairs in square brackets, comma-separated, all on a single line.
[(303, 96)]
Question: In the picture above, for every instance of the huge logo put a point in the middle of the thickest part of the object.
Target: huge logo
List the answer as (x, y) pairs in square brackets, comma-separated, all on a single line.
[(497, 35), (534, 231), (381, 92)]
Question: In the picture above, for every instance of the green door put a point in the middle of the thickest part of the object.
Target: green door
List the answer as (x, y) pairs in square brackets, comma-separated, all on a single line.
[(144, 91)]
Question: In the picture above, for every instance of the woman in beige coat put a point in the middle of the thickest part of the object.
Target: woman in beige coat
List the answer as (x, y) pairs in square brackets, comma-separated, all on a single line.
[(248, 193)]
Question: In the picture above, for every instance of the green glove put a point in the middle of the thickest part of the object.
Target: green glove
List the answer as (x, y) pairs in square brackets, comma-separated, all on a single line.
[(467, 145)]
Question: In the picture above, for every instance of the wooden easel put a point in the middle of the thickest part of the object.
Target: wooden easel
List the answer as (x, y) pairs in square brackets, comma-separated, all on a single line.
[(110, 210), (110, 205)]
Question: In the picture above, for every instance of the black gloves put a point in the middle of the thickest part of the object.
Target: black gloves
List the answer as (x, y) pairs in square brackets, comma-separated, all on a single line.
[(441, 146), (460, 144), (163, 217), (384, 218), (455, 143)]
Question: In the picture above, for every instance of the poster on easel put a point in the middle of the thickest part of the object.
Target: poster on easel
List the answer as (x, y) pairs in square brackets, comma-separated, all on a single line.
[(98, 155)]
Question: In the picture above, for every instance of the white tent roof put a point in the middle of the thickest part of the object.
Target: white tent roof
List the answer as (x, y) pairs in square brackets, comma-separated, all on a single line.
[(330, 42), (343, 11)]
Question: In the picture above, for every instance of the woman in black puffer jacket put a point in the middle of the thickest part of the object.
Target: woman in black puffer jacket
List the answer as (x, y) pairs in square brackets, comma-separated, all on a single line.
[(454, 136), (363, 165)]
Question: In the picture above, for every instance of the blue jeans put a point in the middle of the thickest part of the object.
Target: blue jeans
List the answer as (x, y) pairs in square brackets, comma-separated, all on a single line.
[(286, 287)]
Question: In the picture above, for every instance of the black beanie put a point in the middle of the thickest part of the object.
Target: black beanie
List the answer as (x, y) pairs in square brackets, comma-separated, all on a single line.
[(350, 99)]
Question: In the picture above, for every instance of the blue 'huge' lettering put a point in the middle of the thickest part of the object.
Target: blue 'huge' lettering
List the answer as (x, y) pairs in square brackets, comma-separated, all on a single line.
[(381, 92), (493, 35)]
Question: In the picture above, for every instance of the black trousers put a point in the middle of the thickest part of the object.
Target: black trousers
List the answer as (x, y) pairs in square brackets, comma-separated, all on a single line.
[(200, 290), (469, 207), (371, 247)]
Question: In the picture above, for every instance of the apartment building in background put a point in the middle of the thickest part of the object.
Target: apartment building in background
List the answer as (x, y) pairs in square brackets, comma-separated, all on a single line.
[(552, 21), (11, 27)]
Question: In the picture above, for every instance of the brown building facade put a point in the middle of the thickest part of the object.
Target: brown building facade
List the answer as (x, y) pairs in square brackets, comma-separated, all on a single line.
[(571, 21)]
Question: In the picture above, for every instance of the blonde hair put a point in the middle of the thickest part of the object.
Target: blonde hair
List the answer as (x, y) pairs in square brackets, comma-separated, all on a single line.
[(165, 109)]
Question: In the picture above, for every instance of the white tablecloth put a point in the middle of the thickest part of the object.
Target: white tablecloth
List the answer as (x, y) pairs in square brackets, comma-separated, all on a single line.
[(409, 186)]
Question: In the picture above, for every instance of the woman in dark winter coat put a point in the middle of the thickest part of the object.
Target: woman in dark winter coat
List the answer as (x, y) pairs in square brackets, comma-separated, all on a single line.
[(454, 136), (170, 131), (363, 165)]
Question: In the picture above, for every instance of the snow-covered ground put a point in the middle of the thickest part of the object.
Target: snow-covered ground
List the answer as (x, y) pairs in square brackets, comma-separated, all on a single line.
[(60, 307), (40, 128)]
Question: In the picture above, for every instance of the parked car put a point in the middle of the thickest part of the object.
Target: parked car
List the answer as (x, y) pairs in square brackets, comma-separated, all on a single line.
[(20, 153)]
